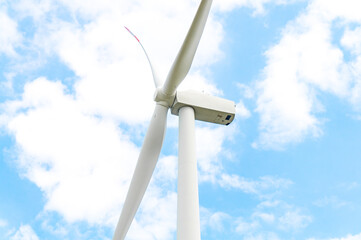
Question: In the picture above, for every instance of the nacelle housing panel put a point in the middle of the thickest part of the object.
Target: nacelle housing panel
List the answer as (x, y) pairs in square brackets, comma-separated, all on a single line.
[(207, 108)]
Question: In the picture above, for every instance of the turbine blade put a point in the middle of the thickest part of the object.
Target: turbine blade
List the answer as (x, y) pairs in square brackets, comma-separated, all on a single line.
[(143, 171), (156, 79), (184, 59)]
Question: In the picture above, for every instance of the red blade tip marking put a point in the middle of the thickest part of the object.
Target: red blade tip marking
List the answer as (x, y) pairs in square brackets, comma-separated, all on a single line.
[(132, 33)]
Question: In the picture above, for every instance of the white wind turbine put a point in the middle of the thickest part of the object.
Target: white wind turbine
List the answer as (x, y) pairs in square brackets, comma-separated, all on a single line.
[(190, 106)]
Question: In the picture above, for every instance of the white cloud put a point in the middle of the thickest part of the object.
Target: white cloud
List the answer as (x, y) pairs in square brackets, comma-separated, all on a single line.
[(262, 236), (348, 237), (3, 223), (305, 62), (272, 214), (294, 220), (195, 81), (83, 163), (54, 226), (266, 185), (257, 5), (347, 11), (112, 68), (276, 215), (167, 169), (25, 232), (246, 91), (209, 142), (266, 217), (37, 9), (158, 216), (348, 186), (350, 40), (281, 215), (331, 201), (351, 43), (242, 111), (10, 37), (63, 150), (244, 227), (216, 221)]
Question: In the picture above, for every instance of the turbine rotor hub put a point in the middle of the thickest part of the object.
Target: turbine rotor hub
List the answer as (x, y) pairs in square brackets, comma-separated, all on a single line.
[(163, 99)]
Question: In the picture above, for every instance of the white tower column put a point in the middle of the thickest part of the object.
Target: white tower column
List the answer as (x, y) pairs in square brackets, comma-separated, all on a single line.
[(188, 223)]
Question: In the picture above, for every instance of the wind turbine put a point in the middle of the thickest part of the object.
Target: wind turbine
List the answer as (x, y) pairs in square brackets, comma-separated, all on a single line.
[(189, 106)]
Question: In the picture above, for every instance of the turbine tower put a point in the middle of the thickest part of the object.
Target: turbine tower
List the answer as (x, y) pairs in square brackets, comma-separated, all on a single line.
[(189, 106)]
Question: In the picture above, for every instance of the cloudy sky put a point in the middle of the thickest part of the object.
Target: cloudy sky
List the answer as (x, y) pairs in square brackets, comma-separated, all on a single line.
[(76, 96)]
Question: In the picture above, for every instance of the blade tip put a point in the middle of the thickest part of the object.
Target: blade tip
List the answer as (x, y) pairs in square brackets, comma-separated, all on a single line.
[(132, 33)]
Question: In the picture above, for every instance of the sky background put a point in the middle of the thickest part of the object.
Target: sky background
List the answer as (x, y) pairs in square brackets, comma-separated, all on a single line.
[(76, 98)]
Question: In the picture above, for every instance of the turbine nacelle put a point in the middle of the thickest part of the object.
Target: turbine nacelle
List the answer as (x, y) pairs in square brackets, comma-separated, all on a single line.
[(207, 108)]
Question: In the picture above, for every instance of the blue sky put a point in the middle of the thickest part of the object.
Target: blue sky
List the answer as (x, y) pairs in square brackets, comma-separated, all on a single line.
[(76, 98)]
